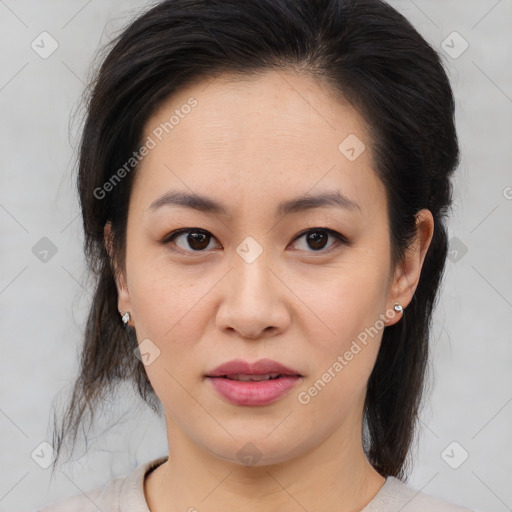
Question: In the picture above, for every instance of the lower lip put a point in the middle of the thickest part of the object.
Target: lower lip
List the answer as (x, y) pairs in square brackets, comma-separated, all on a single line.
[(251, 392)]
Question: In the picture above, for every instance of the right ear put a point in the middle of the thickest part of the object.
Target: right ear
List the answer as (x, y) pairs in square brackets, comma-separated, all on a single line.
[(123, 296)]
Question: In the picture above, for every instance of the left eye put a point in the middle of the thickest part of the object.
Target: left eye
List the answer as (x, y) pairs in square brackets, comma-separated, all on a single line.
[(199, 239), (316, 238)]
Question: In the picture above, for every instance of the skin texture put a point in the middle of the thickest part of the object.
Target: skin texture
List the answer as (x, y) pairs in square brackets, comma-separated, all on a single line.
[(250, 144)]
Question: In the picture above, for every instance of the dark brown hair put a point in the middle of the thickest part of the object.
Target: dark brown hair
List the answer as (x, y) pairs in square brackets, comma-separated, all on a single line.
[(372, 57)]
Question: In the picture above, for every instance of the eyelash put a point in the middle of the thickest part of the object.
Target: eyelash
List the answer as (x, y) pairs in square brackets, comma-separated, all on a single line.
[(340, 239)]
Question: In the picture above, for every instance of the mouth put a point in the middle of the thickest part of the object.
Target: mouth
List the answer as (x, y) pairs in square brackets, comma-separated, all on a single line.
[(253, 390), (253, 384), (254, 378), (263, 369)]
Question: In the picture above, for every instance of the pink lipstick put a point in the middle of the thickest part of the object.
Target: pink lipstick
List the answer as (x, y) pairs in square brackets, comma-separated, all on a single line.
[(260, 383)]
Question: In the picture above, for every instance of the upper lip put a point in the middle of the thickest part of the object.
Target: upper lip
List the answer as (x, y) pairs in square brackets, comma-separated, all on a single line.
[(260, 367)]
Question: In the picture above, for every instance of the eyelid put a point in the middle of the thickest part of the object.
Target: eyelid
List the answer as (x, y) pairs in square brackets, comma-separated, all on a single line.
[(340, 238), (173, 234), (334, 233)]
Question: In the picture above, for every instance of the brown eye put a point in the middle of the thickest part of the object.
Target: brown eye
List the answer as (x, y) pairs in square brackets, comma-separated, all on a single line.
[(191, 240), (198, 240), (317, 239)]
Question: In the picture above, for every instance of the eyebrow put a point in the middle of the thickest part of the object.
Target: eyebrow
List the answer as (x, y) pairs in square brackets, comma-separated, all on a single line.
[(298, 204)]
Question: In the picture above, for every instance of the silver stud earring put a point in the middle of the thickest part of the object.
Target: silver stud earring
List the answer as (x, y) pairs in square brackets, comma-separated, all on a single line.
[(126, 317), (398, 308)]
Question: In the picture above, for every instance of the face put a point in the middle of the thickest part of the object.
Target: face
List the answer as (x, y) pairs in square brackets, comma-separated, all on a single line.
[(250, 280)]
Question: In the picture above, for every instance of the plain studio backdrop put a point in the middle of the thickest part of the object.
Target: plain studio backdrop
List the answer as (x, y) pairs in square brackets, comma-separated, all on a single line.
[(463, 450)]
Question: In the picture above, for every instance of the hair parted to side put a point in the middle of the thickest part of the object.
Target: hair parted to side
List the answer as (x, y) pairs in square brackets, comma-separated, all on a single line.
[(372, 57)]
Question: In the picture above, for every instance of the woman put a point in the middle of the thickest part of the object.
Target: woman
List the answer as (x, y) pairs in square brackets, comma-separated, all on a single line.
[(263, 188)]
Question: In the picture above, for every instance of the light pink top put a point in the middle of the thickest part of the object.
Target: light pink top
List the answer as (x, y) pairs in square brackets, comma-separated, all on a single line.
[(126, 494)]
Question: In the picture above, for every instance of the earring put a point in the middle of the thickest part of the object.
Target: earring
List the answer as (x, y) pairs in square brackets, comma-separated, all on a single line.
[(126, 317), (398, 308)]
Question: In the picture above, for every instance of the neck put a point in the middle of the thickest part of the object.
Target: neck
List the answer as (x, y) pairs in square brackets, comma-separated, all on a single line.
[(333, 476)]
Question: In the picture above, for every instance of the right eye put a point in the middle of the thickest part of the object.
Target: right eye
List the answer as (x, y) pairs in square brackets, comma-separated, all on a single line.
[(196, 239)]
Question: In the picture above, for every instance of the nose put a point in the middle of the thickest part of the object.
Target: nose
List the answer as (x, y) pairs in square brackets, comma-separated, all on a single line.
[(254, 301)]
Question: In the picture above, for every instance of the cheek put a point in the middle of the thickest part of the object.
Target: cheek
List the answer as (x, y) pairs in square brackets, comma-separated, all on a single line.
[(170, 311), (166, 304), (160, 293), (348, 300), (346, 342)]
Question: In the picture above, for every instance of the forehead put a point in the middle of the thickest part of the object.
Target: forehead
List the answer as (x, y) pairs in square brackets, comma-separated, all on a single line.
[(262, 135)]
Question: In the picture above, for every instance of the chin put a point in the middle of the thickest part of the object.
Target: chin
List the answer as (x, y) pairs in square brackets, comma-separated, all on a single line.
[(257, 449)]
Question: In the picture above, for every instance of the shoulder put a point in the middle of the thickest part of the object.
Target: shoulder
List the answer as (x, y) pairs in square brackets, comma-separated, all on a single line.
[(115, 496), (396, 495)]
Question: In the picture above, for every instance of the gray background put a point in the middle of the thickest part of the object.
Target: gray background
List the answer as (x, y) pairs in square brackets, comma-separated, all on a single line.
[(43, 304)]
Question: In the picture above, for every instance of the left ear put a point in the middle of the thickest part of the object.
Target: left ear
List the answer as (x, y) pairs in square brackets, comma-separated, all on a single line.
[(407, 272)]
